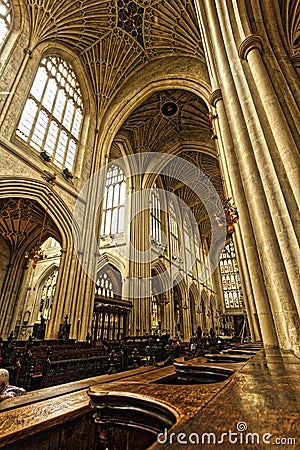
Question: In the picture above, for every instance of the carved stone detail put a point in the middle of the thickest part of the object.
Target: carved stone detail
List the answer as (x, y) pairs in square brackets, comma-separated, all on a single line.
[(248, 44)]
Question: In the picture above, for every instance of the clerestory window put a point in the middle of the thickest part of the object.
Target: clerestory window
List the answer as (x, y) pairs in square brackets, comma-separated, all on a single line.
[(114, 202), (187, 246), (52, 117), (155, 216), (173, 230), (5, 19)]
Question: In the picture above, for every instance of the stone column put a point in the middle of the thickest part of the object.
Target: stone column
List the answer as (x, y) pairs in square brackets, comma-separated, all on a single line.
[(218, 63), (266, 187), (285, 150), (138, 283)]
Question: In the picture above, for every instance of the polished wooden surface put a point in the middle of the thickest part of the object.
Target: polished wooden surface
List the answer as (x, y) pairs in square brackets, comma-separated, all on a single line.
[(264, 398), (263, 395)]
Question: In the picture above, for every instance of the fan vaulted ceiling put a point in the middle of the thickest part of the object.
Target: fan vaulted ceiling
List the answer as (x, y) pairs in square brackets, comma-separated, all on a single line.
[(115, 38)]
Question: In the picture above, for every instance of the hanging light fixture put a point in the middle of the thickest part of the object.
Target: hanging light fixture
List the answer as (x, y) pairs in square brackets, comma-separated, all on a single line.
[(229, 216), (36, 253)]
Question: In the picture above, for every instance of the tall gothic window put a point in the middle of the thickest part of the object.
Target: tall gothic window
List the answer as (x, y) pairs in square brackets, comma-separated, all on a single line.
[(5, 19), (52, 116), (114, 202), (47, 294), (173, 230), (104, 286), (154, 313), (230, 278), (187, 246), (155, 215)]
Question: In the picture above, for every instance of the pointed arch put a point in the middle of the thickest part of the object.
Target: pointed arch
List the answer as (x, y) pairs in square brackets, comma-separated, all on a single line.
[(112, 267), (45, 290), (39, 191), (52, 117), (161, 276)]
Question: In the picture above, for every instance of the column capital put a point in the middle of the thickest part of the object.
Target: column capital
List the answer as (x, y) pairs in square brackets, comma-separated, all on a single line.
[(215, 97), (251, 42), (295, 60)]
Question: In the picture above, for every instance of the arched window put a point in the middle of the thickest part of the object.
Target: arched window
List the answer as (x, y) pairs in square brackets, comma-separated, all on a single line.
[(187, 246), (47, 294), (5, 19), (114, 202), (154, 313), (104, 286), (52, 116), (155, 215), (173, 230), (230, 278)]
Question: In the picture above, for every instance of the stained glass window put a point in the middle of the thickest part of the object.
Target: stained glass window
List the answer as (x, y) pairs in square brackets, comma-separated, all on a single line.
[(5, 19), (230, 278), (52, 116), (114, 202)]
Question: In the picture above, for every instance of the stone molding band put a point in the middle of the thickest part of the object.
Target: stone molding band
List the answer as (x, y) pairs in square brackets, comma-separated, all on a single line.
[(251, 42), (215, 97)]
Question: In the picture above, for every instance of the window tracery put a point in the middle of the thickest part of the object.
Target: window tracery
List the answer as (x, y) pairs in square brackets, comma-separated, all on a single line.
[(47, 294), (230, 278), (114, 202), (52, 117), (104, 286), (173, 230), (5, 19), (187, 245), (155, 216)]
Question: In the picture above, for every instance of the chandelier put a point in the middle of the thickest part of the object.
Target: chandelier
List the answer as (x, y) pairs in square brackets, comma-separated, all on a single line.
[(229, 216)]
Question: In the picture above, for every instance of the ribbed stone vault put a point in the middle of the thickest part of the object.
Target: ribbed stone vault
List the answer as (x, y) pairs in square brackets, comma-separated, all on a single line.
[(21, 221), (114, 38)]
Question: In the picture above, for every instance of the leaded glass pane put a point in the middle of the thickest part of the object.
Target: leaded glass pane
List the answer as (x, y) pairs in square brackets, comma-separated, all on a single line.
[(230, 278), (56, 96), (113, 203), (5, 19)]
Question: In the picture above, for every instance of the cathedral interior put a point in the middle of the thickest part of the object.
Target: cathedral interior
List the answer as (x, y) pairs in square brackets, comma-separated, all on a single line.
[(149, 223)]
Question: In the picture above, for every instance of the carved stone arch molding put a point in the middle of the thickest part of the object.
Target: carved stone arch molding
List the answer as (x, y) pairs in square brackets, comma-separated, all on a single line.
[(38, 191), (20, 25), (162, 278), (30, 194), (155, 80), (108, 258), (194, 291), (115, 267), (45, 274)]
